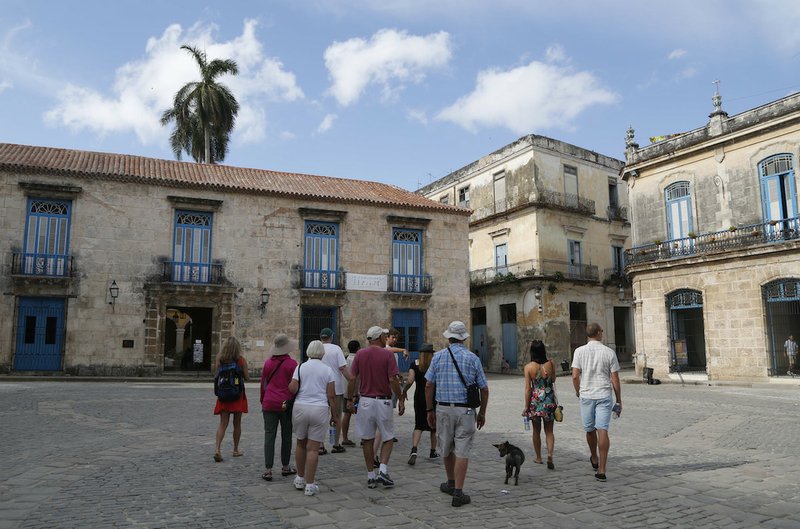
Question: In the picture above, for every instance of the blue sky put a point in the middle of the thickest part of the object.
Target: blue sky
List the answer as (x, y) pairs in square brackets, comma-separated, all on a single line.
[(400, 92)]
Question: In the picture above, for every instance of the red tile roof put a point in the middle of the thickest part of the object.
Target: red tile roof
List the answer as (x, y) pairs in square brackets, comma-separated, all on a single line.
[(138, 169)]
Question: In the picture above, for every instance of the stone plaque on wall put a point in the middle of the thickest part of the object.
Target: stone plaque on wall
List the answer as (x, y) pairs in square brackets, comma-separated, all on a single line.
[(373, 282)]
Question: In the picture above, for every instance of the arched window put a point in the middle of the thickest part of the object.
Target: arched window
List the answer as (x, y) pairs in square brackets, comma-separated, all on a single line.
[(687, 332), (778, 197), (679, 210)]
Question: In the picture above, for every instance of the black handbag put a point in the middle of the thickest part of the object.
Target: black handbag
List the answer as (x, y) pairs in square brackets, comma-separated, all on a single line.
[(473, 390)]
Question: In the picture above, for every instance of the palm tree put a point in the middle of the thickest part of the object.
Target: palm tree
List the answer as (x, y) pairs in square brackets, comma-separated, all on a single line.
[(204, 111)]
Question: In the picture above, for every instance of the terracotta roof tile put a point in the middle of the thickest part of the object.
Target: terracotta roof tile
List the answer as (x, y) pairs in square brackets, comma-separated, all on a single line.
[(124, 167)]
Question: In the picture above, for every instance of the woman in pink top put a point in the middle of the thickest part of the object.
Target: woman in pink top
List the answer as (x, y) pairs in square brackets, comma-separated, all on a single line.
[(276, 403)]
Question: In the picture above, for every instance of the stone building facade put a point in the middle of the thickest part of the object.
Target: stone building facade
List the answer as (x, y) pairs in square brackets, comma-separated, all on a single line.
[(715, 264), (116, 264), (547, 234)]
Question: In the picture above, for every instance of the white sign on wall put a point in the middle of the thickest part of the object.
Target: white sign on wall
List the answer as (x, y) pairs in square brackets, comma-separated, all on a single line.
[(373, 282), (198, 352)]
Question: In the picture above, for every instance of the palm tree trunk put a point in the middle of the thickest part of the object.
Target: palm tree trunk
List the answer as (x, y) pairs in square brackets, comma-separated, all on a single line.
[(208, 146)]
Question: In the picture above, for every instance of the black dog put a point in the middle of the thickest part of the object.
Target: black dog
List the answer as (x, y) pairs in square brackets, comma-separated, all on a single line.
[(514, 459)]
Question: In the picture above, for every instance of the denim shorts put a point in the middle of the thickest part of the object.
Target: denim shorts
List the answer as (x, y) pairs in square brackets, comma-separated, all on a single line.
[(596, 413)]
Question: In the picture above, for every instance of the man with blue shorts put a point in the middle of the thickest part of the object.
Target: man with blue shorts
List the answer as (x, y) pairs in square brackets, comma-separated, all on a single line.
[(595, 372)]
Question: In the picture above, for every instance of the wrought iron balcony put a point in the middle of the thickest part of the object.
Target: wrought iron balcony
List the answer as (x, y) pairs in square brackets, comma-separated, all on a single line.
[(616, 276), (544, 199), (569, 270), (41, 265), (411, 283), (617, 213), (318, 279), (738, 238), (533, 268), (509, 272), (187, 272)]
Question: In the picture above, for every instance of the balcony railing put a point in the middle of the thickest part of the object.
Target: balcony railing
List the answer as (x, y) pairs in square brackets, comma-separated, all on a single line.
[(411, 283), (615, 275), (41, 265), (570, 270), (318, 279), (617, 213), (202, 273), (546, 198), (534, 268), (715, 242)]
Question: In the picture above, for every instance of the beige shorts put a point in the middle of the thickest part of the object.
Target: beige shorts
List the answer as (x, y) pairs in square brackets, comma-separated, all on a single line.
[(375, 414), (310, 422), (455, 428)]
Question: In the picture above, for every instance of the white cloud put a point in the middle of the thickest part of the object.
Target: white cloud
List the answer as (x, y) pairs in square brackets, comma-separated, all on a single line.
[(390, 56), (686, 73), (5, 85), (326, 124), (676, 54), (556, 53), (528, 98), (287, 135), (144, 88), (418, 115)]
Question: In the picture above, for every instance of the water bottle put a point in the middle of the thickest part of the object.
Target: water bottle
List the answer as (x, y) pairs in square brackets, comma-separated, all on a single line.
[(615, 410), (332, 435), (526, 423)]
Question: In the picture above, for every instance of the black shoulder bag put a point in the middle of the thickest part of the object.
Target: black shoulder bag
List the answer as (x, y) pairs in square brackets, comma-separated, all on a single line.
[(473, 391)]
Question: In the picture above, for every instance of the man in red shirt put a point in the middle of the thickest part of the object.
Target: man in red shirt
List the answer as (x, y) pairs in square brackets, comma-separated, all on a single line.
[(374, 369)]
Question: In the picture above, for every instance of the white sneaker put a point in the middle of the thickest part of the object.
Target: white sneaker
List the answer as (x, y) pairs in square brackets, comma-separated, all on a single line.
[(311, 489), (299, 483)]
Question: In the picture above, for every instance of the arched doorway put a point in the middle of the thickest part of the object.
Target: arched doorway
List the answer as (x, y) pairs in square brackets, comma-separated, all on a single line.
[(782, 306), (687, 331)]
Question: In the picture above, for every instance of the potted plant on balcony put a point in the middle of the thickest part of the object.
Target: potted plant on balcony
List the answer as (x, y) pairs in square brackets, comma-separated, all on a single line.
[(558, 276), (692, 235), (732, 229), (756, 232)]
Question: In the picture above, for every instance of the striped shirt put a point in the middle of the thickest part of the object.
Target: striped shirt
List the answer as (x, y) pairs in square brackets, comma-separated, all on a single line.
[(442, 372)]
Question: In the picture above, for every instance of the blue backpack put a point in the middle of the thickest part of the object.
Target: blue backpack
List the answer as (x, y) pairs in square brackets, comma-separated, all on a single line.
[(229, 383)]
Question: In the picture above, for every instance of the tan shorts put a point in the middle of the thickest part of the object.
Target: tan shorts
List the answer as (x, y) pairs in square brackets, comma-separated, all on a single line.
[(310, 422), (375, 414), (455, 428)]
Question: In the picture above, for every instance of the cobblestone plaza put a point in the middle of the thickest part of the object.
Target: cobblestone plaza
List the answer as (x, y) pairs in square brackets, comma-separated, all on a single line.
[(139, 454)]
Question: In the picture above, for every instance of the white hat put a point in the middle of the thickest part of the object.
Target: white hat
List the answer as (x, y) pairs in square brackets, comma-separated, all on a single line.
[(375, 332), (456, 330), (283, 345)]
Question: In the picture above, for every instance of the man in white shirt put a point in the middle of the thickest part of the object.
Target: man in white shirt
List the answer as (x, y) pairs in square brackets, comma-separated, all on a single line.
[(334, 358), (790, 346), (595, 372)]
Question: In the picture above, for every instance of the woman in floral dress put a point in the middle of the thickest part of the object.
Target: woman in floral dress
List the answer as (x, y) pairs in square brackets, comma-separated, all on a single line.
[(540, 399)]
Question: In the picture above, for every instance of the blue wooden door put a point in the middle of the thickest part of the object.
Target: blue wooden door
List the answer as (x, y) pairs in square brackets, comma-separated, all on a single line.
[(409, 323), (40, 334), (480, 343), (508, 326)]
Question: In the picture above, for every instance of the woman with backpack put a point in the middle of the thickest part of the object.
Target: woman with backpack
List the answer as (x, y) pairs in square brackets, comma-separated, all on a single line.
[(230, 359), (276, 403)]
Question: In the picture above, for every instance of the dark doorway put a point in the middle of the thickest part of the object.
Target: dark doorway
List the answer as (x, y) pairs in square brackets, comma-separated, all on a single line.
[(312, 321), (622, 334), (480, 342), (577, 326), (688, 330), (508, 325), (184, 326), (782, 299)]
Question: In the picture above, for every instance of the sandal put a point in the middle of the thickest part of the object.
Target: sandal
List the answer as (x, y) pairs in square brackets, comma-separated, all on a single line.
[(267, 475), (338, 449), (288, 471), (550, 465), (217, 457), (594, 465), (237, 453), (322, 450), (348, 443)]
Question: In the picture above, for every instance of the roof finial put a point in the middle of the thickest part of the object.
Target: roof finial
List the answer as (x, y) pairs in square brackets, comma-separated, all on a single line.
[(629, 137), (717, 99)]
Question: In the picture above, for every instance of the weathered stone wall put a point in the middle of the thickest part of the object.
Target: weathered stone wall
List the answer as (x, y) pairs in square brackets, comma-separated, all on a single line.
[(736, 333), (123, 232)]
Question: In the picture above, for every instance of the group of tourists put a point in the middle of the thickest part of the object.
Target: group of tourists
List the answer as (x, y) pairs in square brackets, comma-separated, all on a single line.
[(316, 400)]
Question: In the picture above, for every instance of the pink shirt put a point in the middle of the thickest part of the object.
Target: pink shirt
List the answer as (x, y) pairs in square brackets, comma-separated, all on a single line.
[(374, 366)]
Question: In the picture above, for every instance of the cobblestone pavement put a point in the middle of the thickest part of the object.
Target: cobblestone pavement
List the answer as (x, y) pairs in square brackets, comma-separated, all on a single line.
[(96, 454)]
